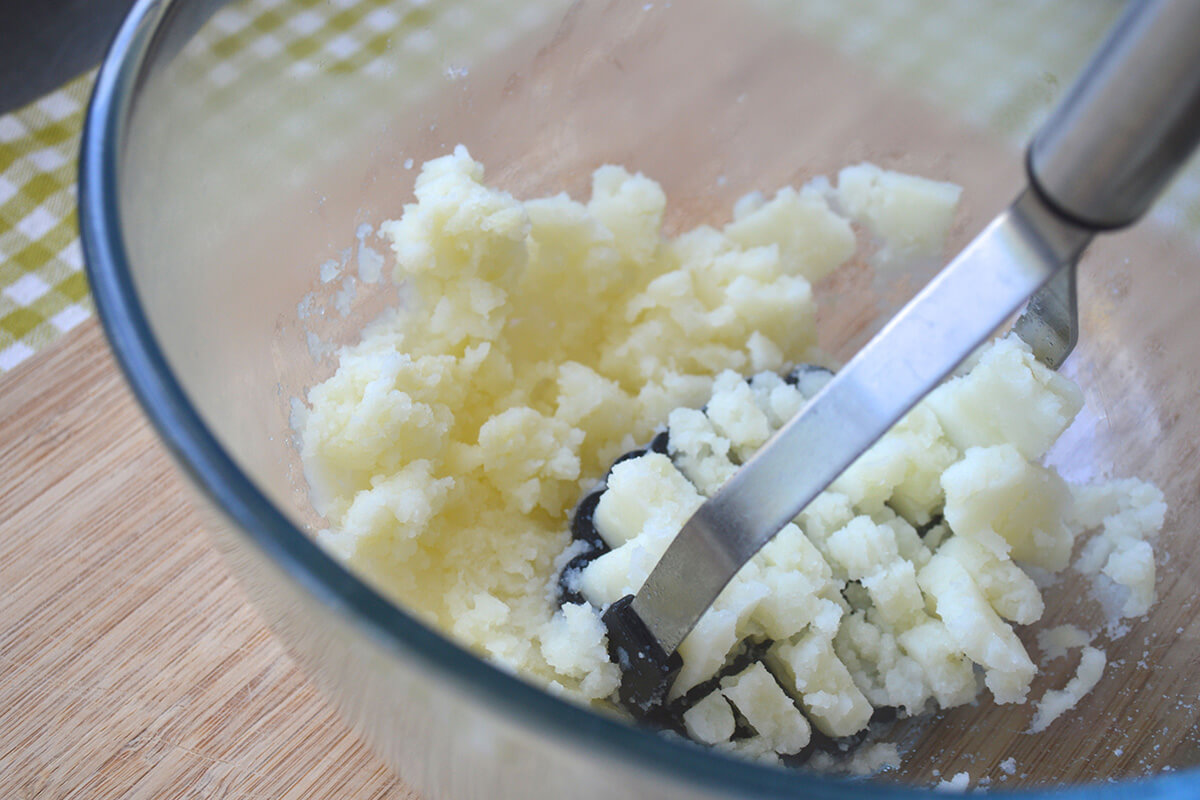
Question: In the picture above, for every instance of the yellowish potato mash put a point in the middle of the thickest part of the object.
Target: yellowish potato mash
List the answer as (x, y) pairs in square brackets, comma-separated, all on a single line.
[(548, 336), (544, 338)]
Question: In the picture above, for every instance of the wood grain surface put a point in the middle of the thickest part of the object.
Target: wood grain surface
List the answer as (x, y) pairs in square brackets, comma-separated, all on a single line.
[(131, 666)]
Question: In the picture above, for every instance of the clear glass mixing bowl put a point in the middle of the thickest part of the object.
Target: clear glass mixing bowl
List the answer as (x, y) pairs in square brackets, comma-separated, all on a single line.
[(233, 148)]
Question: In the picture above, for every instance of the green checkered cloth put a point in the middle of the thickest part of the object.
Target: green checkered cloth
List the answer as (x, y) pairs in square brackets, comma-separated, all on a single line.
[(230, 70), (43, 293), (1004, 83)]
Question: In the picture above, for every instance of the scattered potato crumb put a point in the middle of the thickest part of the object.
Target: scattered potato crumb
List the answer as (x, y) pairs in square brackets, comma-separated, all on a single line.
[(1057, 701), (1055, 642), (912, 215), (961, 782)]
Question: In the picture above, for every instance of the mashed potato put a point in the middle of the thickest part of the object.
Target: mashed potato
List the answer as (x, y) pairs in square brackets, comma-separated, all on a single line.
[(546, 337), (902, 583)]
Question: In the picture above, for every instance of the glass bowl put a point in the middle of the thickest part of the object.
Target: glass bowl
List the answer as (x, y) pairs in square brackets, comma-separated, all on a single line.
[(237, 156)]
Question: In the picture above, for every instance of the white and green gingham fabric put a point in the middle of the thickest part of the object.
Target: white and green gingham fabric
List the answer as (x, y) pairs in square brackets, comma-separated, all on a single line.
[(43, 293), (1003, 83)]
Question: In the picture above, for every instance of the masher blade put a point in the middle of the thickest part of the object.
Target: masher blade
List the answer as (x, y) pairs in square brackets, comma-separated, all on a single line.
[(974, 295)]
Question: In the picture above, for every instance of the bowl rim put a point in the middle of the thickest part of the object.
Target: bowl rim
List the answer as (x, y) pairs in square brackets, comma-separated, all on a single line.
[(215, 474)]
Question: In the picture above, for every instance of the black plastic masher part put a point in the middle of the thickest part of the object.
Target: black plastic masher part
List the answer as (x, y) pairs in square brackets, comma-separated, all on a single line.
[(802, 371), (583, 528), (647, 670)]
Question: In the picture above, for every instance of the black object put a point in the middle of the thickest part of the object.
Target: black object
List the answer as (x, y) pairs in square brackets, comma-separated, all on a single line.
[(801, 371), (44, 44), (647, 671), (752, 652), (583, 529), (583, 525), (934, 521)]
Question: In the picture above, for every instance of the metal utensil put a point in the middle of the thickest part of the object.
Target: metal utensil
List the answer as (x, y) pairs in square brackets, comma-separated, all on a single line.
[(1105, 154)]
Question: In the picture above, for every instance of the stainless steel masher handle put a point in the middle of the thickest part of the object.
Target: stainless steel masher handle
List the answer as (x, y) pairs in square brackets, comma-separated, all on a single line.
[(1128, 124), (1106, 152)]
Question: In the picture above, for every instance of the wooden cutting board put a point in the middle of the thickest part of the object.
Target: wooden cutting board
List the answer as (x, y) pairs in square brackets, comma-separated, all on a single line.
[(131, 666)]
